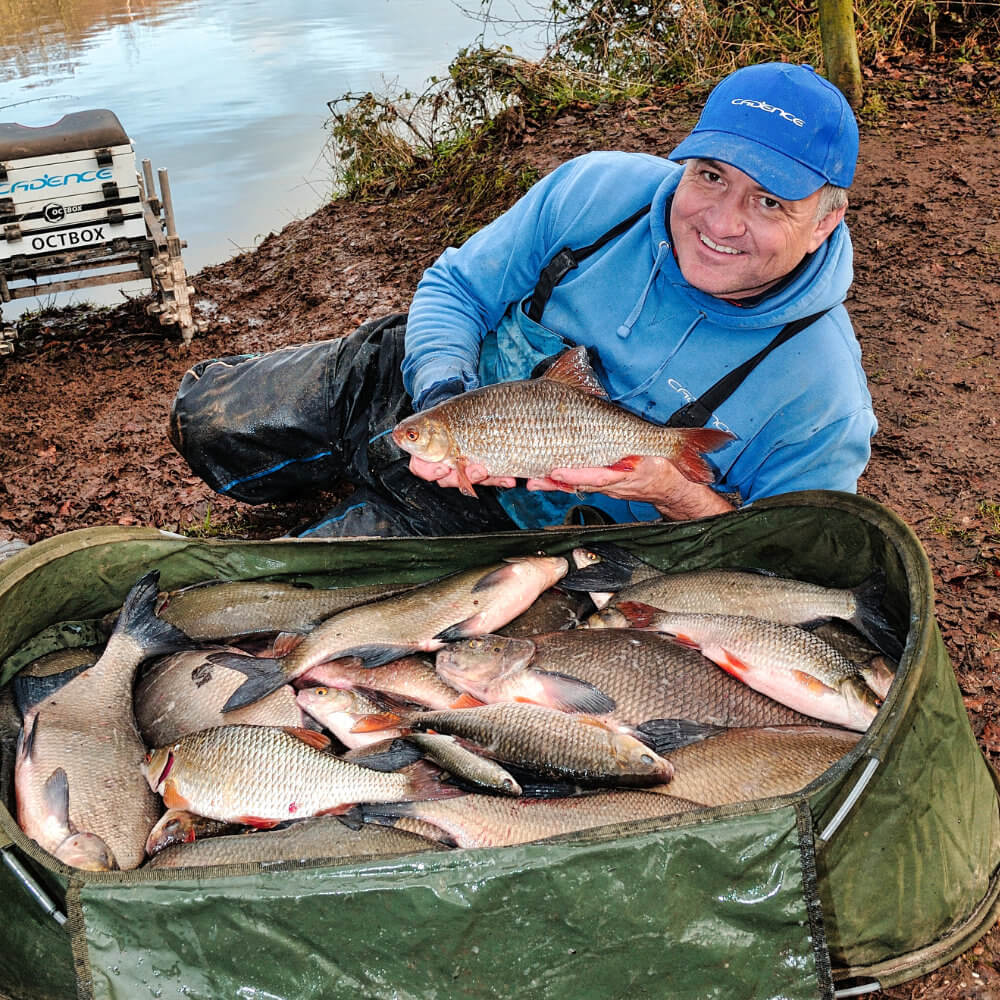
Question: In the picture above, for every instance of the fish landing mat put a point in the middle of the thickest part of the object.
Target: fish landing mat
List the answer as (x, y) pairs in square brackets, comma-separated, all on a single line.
[(882, 869)]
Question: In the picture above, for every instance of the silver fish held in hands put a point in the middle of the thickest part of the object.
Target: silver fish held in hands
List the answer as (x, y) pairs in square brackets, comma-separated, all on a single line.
[(563, 419), (77, 776)]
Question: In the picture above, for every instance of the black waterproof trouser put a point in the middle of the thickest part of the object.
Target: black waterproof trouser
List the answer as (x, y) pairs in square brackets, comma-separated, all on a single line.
[(270, 427)]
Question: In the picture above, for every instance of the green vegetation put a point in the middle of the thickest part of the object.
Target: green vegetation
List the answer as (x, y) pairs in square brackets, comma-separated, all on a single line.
[(606, 51)]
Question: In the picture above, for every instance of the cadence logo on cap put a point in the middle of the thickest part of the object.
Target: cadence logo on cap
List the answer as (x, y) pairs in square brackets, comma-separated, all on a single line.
[(764, 106)]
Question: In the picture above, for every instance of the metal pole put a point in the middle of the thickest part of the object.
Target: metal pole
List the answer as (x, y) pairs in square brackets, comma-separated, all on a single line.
[(33, 888), (168, 205)]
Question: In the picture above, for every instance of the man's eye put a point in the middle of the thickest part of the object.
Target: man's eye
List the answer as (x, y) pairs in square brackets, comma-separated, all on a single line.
[(711, 176), (770, 202)]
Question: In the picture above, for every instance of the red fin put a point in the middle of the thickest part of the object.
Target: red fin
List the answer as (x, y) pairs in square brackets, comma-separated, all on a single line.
[(285, 643), (257, 823), (466, 700), (346, 807), (696, 442), (811, 683), (464, 485), (733, 665), (572, 368), (172, 798), (626, 464), (310, 736), (373, 723), (424, 782), (637, 614)]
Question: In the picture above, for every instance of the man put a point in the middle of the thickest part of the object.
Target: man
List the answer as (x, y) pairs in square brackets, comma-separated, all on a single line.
[(674, 273)]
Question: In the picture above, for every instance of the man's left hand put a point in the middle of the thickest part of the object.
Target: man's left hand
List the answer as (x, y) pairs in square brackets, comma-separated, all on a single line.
[(648, 479)]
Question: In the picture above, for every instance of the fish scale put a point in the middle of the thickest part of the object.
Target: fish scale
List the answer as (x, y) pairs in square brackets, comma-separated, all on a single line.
[(263, 772), (527, 428), (551, 742)]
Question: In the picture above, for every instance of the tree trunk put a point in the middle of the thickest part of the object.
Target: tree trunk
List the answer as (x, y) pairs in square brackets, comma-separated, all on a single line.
[(840, 48)]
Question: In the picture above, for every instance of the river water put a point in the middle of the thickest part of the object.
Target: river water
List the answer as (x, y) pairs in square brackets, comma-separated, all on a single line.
[(228, 95)]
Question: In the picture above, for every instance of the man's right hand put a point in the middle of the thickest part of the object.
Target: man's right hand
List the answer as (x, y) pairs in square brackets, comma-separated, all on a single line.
[(445, 475)]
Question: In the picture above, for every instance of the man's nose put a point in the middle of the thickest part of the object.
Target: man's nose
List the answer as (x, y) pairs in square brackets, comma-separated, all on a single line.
[(726, 217)]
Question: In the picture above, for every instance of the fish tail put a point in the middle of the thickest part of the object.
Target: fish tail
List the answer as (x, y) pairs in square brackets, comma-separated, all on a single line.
[(425, 781), (387, 814), (138, 620), (263, 676), (637, 614), (695, 442), (869, 619)]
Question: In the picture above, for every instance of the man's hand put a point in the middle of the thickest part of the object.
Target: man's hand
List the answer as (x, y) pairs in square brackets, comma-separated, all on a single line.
[(651, 480), (445, 475)]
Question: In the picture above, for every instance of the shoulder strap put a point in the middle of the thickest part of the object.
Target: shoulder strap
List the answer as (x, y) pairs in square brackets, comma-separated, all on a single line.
[(566, 259), (697, 412)]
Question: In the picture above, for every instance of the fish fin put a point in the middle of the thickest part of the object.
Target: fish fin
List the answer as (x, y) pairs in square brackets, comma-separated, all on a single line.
[(495, 577), (378, 720), (376, 654), (729, 662), (30, 690), (466, 700), (464, 483), (664, 735), (352, 818), (26, 737), (698, 440), (284, 643), (637, 614), (264, 675), (172, 798), (310, 737), (138, 620), (55, 795), (626, 464), (257, 822), (467, 628), (573, 368), (589, 720), (399, 755), (811, 683), (570, 694), (424, 781), (869, 619)]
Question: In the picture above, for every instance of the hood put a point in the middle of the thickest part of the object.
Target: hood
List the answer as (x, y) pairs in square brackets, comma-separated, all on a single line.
[(823, 283)]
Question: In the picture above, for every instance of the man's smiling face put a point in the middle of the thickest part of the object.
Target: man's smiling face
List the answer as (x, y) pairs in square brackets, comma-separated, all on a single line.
[(733, 239)]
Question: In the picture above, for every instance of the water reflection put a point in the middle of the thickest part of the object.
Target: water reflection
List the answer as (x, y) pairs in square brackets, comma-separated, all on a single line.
[(228, 95)]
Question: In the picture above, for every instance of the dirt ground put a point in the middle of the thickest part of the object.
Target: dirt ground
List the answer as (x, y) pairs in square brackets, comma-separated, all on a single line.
[(86, 397)]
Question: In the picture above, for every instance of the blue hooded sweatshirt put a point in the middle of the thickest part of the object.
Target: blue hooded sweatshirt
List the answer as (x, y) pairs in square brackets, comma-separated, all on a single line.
[(803, 417)]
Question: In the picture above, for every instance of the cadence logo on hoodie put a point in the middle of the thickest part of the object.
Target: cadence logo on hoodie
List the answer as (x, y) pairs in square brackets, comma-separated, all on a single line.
[(764, 106)]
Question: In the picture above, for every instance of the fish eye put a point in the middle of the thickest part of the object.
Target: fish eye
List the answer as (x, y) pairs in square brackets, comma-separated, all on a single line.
[(322, 692), (412, 435), (646, 759)]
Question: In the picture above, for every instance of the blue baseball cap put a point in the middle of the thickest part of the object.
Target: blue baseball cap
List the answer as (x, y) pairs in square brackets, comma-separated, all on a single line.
[(785, 126)]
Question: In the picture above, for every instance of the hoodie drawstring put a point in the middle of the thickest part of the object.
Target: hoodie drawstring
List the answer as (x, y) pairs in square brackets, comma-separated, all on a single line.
[(626, 328), (661, 367)]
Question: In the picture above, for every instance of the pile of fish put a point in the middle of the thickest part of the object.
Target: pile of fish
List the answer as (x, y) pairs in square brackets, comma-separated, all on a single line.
[(535, 697)]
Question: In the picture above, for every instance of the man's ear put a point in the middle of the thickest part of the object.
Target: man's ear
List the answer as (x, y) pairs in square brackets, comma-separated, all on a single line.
[(825, 226)]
